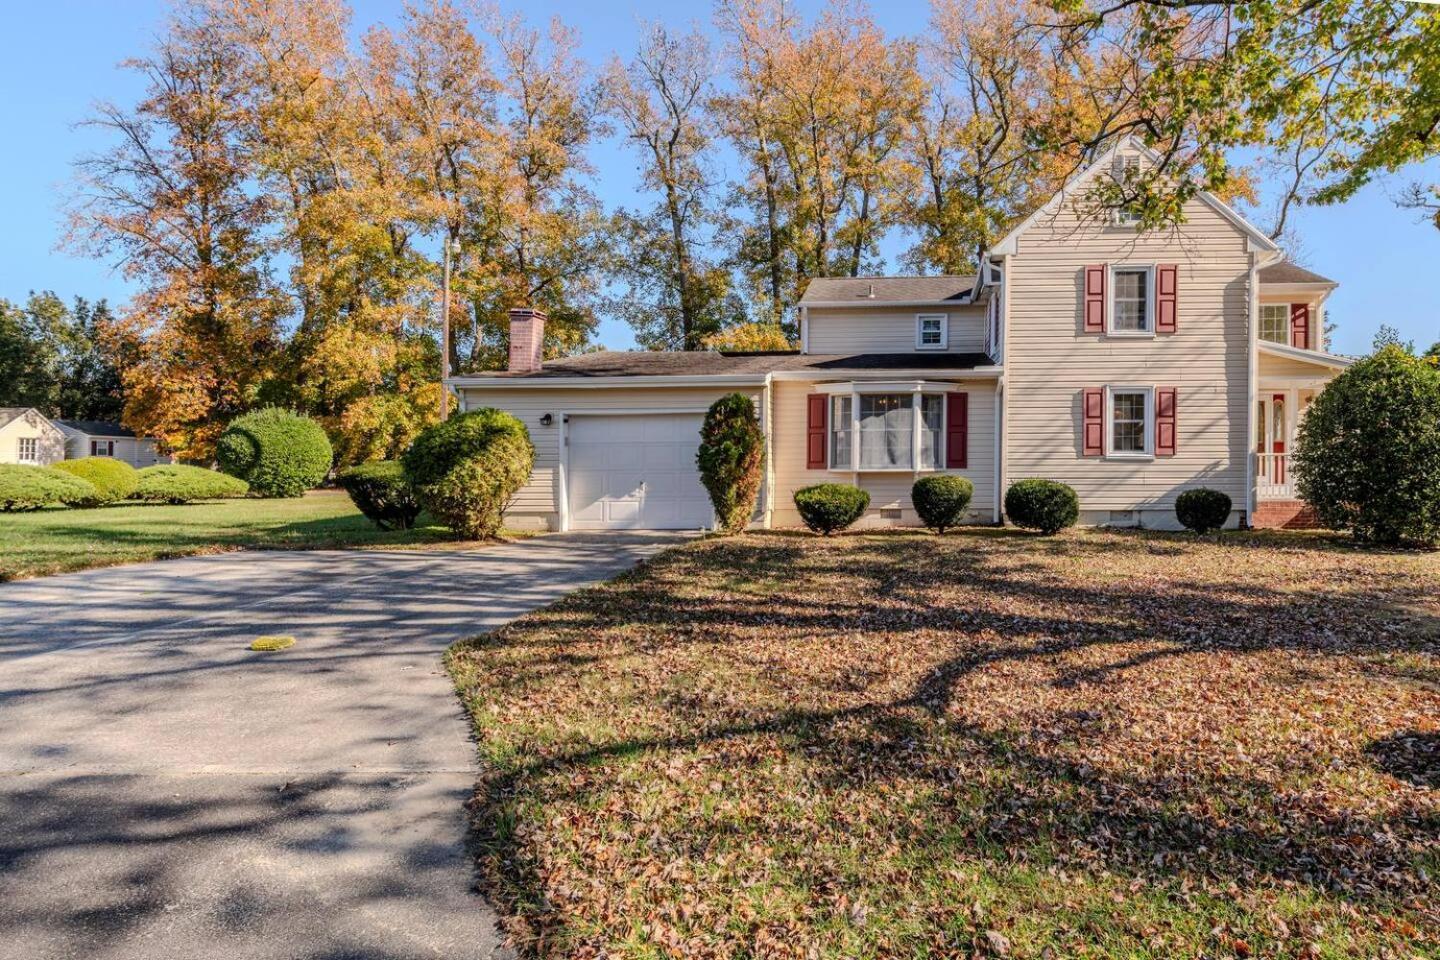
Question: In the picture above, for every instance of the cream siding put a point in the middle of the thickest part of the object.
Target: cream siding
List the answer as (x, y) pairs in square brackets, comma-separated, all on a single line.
[(1273, 366), (1050, 361), (887, 490), (889, 329), (537, 503), (49, 441)]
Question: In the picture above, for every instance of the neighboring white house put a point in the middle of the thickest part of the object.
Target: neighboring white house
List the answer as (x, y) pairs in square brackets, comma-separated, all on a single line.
[(1131, 365), (98, 438), (27, 437)]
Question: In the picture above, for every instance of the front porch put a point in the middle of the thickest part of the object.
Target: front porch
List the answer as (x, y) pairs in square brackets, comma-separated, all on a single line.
[(1289, 381)]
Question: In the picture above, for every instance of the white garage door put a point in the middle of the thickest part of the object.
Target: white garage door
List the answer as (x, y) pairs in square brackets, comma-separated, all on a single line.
[(636, 472)]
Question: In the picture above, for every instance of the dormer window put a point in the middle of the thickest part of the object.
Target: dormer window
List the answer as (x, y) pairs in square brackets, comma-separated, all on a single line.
[(932, 331)]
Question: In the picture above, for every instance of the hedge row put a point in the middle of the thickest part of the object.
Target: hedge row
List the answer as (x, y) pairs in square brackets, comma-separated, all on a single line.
[(94, 481)]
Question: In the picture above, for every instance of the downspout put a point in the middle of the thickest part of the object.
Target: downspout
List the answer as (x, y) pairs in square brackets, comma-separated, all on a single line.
[(1251, 386), (804, 329), (999, 445), (768, 413), (1003, 406)]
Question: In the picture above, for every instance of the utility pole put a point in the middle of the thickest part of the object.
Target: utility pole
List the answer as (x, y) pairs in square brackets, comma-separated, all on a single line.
[(448, 245)]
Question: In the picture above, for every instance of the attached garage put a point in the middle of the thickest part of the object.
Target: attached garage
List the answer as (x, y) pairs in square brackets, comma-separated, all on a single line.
[(634, 472)]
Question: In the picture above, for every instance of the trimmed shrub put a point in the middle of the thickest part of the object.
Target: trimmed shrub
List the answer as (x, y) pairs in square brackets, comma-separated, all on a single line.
[(1044, 505), (1368, 456), (277, 452), (466, 470), (1202, 509), (30, 488), (731, 455), (827, 507), (176, 483), (940, 500), (112, 479), (382, 492)]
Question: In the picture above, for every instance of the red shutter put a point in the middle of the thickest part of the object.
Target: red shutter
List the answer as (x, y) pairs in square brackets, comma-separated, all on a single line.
[(815, 431), (1095, 299), (1166, 277), (1300, 325), (957, 430), (1164, 421), (1093, 412)]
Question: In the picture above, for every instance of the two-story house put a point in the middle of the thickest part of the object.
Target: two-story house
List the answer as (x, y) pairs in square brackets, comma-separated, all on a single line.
[(1131, 365)]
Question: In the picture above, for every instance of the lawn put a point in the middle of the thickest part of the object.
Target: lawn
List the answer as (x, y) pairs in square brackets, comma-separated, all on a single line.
[(60, 540), (1106, 744)]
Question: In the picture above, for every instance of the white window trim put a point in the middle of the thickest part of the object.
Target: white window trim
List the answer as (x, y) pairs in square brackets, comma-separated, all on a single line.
[(916, 389), (944, 319), (34, 444), (1110, 452), (1114, 268)]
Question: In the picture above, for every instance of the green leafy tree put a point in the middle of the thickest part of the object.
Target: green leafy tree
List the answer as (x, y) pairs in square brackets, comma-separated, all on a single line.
[(27, 361), (731, 459), (1368, 456)]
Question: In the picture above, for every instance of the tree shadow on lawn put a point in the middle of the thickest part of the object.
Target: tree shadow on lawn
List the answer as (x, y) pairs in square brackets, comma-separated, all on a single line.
[(998, 793)]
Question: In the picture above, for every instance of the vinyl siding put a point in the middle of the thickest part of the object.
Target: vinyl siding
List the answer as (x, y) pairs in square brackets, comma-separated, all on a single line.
[(50, 445), (1049, 360), (887, 490), (537, 502), (890, 329), (1272, 366)]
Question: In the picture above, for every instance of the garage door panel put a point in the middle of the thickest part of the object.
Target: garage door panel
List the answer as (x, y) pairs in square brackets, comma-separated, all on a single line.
[(636, 472)]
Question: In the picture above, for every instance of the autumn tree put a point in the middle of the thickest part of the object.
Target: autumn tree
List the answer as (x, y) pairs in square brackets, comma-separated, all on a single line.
[(534, 233), (818, 113), (676, 294), (172, 202), (994, 88)]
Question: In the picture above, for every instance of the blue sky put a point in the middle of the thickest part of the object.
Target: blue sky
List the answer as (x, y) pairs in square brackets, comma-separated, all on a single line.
[(60, 56)]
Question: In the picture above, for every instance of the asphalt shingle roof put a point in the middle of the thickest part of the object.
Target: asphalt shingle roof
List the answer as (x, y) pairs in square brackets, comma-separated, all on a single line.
[(883, 289), (10, 413), (1287, 272), (97, 428), (642, 363)]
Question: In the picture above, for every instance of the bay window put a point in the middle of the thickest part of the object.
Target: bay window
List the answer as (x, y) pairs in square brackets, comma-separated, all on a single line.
[(886, 430)]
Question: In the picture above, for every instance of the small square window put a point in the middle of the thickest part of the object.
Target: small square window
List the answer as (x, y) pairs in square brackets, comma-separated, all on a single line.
[(1131, 301), (931, 332), (1275, 322)]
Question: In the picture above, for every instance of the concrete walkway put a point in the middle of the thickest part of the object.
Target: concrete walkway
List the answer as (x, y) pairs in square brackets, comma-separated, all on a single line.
[(164, 792)]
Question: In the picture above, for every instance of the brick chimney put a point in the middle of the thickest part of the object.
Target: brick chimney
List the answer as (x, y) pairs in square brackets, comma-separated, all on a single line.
[(527, 339)]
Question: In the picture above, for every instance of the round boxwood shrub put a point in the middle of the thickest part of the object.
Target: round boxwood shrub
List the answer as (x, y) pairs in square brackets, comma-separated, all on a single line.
[(277, 452), (731, 455), (467, 470), (1045, 505), (1368, 456), (176, 483), (940, 500), (1202, 509), (112, 479), (827, 507), (382, 492), (30, 488)]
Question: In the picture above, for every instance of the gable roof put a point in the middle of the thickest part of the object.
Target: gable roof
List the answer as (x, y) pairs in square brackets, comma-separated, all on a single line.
[(701, 363), (96, 428), (1130, 142), (12, 413), (1288, 272), (862, 291)]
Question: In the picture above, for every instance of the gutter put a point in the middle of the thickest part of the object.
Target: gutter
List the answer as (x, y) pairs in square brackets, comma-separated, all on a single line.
[(863, 302), (606, 382)]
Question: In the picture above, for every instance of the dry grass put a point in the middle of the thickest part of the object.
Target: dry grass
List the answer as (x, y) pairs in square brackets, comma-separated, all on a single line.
[(1100, 745)]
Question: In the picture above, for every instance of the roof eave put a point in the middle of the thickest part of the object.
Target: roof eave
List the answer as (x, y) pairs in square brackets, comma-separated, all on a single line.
[(1310, 356), (866, 302), (611, 380)]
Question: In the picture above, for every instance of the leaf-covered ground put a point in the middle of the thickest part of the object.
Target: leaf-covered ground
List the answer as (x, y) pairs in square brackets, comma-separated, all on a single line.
[(1105, 744)]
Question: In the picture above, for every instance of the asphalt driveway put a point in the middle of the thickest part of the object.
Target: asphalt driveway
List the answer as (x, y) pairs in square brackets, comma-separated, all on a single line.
[(165, 792)]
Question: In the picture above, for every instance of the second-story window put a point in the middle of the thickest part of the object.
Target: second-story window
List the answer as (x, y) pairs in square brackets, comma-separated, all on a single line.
[(930, 332), (1131, 300), (1275, 322)]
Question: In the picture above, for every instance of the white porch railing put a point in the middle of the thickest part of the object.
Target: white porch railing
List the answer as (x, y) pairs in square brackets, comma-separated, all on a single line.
[(1273, 476)]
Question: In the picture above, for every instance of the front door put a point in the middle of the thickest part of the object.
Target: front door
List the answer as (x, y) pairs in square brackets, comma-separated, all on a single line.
[(1270, 424)]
